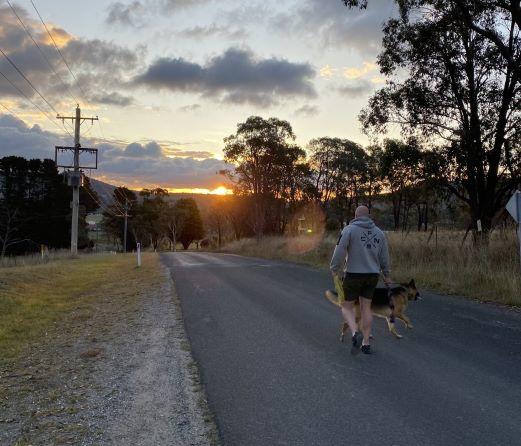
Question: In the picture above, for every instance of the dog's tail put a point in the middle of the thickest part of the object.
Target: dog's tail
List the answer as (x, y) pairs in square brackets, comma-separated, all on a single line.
[(332, 297)]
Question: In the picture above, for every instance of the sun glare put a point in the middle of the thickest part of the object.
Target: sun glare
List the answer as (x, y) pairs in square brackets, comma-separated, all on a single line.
[(221, 191)]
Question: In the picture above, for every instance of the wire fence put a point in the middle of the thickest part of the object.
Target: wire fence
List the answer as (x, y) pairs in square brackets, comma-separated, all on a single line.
[(46, 257)]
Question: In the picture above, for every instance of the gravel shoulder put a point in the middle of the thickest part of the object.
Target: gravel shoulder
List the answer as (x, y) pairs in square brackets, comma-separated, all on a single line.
[(121, 374)]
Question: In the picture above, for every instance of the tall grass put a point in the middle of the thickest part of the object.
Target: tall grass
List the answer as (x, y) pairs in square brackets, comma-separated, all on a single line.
[(441, 263)]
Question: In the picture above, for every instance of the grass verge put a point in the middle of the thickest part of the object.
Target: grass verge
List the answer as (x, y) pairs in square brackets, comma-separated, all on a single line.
[(443, 263), (37, 299)]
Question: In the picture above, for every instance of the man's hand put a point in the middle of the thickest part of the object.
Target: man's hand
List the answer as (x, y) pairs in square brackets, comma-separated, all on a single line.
[(388, 282)]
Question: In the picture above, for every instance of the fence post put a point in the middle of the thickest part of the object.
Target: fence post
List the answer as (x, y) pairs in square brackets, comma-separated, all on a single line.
[(139, 255)]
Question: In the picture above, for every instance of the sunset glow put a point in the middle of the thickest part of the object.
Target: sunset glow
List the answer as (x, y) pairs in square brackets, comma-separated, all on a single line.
[(221, 190), (165, 104)]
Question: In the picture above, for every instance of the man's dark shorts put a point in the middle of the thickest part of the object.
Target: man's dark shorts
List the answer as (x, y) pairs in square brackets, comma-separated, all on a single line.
[(359, 285)]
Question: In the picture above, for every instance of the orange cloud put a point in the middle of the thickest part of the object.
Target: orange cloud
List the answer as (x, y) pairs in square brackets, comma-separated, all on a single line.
[(60, 36), (358, 72), (327, 72)]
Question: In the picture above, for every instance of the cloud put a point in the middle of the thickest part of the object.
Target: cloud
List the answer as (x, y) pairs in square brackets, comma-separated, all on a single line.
[(307, 110), (138, 13), (358, 72), (356, 89), (189, 108), (335, 25), (213, 31), (113, 98), (327, 72), (137, 150), (101, 67), (130, 14), (17, 138), (196, 154), (175, 5), (236, 76), (135, 165), (170, 173)]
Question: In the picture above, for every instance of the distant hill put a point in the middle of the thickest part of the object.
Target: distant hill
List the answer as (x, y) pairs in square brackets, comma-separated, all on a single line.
[(105, 192)]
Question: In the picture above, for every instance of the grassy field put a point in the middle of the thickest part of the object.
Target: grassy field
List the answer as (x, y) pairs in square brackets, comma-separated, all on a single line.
[(442, 264), (40, 298)]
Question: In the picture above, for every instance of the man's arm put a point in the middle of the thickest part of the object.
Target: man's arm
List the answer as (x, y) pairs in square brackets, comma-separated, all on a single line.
[(340, 253), (385, 265)]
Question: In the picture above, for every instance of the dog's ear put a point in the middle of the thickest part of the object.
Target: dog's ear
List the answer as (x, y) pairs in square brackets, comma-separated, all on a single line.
[(412, 284)]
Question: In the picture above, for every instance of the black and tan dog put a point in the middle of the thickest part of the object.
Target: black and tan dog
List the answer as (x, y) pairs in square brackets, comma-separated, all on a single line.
[(389, 304)]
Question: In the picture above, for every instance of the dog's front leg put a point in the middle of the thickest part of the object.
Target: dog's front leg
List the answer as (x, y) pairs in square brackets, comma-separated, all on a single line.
[(392, 328), (343, 330)]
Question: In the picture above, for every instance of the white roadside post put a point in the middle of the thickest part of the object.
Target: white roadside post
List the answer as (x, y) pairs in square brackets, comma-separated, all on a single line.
[(514, 209), (139, 255)]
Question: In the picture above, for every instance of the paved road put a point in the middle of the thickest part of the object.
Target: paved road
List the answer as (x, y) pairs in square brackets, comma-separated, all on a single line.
[(275, 373)]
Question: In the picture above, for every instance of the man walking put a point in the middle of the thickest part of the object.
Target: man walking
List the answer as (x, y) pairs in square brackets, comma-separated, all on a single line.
[(361, 254)]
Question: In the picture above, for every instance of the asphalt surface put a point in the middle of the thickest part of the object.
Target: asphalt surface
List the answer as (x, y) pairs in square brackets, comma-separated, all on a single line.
[(275, 373)]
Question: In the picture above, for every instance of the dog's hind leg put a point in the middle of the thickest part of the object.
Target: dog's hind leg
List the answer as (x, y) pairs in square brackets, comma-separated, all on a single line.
[(405, 320), (392, 328)]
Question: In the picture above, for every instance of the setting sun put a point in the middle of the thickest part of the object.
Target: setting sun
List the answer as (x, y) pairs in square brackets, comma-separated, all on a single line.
[(221, 191)]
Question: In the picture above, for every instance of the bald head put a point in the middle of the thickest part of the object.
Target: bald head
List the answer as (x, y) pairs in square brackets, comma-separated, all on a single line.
[(361, 211)]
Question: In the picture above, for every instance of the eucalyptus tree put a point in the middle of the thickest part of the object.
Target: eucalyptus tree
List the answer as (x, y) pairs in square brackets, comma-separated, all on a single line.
[(454, 79), (266, 159)]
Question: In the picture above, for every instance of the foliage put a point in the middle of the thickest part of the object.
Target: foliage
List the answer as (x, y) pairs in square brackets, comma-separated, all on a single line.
[(443, 264), (113, 223), (35, 206), (191, 227), (153, 219), (342, 175), (461, 92), (269, 167)]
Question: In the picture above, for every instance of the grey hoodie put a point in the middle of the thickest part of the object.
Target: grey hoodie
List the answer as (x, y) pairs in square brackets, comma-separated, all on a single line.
[(365, 246)]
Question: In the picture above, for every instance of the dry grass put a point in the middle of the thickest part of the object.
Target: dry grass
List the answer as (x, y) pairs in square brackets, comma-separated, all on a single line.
[(36, 299), (491, 273), (38, 259)]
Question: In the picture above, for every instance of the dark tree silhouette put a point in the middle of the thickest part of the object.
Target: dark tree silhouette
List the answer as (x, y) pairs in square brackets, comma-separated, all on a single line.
[(191, 225), (35, 206), (267, 168), (462, 90)]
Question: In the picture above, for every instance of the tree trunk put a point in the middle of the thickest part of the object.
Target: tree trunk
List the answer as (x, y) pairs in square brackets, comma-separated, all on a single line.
[(174, 240)]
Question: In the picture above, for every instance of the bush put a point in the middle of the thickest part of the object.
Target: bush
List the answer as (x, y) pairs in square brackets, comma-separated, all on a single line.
[(332, 225)]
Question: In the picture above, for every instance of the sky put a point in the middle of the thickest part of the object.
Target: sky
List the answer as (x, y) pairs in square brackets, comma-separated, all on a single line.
[(169, 79)]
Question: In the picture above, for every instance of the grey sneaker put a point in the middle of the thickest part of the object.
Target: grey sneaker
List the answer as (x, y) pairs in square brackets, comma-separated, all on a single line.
[(356, 341)]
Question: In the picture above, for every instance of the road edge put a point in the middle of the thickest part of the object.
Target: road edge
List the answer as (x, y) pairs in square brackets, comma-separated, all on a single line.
[(192, 367)]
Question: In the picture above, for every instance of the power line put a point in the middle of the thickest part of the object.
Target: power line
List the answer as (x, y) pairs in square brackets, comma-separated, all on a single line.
[(101, 130), (75, 100), (10, 111), (105, 188), (58, 49), (20, 72), (88, 131), (32, 102), (101, 204), (119, 196), (115, 202)]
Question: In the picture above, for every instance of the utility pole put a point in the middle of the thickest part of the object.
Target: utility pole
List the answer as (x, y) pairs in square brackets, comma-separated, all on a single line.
[(126, 226), (74, 178)]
